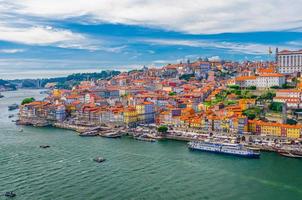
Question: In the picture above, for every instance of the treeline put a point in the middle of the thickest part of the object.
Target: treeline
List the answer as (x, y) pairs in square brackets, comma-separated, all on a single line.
[(7, 85), (65, 82), (74, 79)]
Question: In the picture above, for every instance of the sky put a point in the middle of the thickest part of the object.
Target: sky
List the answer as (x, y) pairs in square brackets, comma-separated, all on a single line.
[(48, 38)]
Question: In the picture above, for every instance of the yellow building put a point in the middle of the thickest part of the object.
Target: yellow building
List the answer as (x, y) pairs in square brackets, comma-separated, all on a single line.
[(293, 132), (270, 129), (275, 129), (130, 115)]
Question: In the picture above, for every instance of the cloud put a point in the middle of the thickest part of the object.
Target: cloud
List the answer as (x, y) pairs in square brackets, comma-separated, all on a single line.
[(45, 35), (214, 58), (249, 48), (197, 17), (11, 51)]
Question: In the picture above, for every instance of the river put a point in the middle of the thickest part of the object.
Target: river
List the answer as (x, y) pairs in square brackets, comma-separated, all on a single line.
[(133, 170)]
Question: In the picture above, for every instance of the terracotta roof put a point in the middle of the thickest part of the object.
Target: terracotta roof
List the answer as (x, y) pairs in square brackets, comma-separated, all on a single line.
[(244, 78)]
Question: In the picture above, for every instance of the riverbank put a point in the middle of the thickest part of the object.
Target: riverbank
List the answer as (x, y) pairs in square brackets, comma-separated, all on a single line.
[(151, 134)]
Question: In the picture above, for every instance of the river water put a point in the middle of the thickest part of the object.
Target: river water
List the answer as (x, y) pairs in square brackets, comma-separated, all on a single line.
[(133, 170)]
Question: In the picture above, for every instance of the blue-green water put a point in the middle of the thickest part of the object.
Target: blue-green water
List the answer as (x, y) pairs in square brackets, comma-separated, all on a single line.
[(133, 170)]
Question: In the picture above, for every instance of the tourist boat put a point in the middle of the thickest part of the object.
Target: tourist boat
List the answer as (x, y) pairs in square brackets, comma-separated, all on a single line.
[(99, 159), (44, 146), (9, 194), (13, 106), (225, 148)]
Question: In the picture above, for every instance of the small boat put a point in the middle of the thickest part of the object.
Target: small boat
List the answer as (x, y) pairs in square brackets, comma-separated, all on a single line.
[(1, 96), (10, 194), (13, 106), (99, 159), (11, 115), (44, 146), (145, 139), (289, 154), (21, 130), (89, 134)]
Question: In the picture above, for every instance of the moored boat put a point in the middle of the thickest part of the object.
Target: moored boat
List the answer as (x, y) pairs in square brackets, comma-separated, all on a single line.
[(89, 134), (146, 139), (289, 153), (225, 148), (13, 106)]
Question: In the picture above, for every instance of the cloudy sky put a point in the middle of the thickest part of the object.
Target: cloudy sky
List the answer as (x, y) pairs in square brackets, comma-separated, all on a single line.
[(52, 38)]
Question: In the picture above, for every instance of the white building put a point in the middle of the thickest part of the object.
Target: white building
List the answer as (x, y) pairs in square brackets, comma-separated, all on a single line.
[(261, 81), (289, 61), (291, 97)]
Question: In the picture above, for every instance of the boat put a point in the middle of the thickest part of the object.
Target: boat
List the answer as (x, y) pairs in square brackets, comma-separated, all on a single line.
[(146, 139), (111, 135), (289, 154), (21, 130), (11, 116), (1, 96), (116, 134), (44, 146), (225, 148), (13, 106), (99, 159), (10, 194), (88, 134)]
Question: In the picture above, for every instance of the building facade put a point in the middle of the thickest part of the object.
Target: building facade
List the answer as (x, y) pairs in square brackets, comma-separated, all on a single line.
[(289, 61)]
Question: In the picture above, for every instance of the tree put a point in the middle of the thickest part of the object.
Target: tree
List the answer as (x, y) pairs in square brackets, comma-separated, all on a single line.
[(162, 129), (252, 113), (269, 95), (172, 93), (251, 88), (276, 106), (27, 100), (291, 121), (236, 87)]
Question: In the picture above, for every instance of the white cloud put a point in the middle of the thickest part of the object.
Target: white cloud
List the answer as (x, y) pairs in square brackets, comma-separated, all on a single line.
[(250, 48), (195, 16), (214, 58), (11, 51), (44, 35)]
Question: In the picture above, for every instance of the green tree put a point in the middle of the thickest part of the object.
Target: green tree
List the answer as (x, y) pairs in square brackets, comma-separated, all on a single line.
[(172, 93), (291, 121), (269, 95), (236, 87), (27, 100), (276, 106), (252, 113), (162, 129)]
